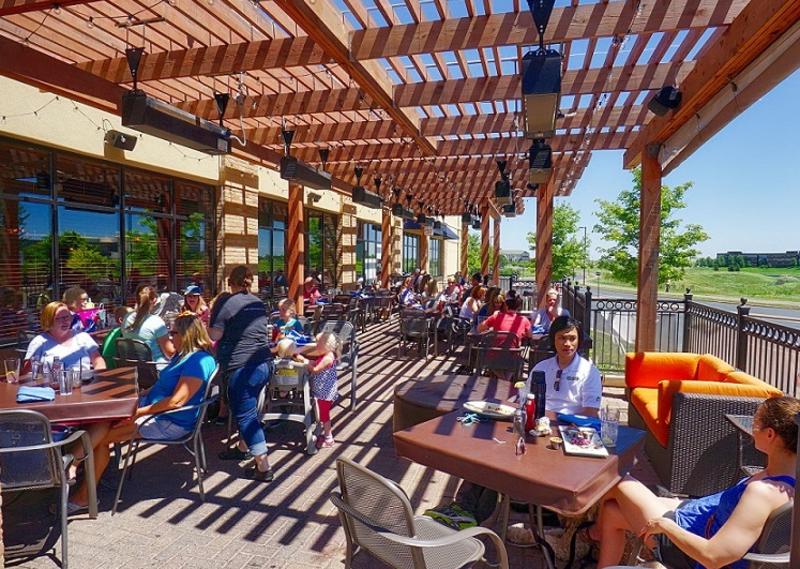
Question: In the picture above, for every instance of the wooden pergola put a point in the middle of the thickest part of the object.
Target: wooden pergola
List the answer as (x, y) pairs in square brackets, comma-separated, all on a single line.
[(424, 93)]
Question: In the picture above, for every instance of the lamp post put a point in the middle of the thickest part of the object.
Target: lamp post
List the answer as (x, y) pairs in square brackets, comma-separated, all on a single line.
[(585, 252), (597, 274)]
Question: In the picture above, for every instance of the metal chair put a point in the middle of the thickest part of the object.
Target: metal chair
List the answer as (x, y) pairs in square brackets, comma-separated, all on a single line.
[(416, 328), (33, 470), (136, 353), (195, 437), (333, 311), (377, 516), (498, 353), (348, 361)]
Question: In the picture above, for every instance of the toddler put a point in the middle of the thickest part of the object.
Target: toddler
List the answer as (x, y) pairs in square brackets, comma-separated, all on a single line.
[(322, 367), (287, 320)]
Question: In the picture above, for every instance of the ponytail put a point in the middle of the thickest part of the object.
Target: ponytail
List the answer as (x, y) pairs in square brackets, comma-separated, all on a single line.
[(145, 295)]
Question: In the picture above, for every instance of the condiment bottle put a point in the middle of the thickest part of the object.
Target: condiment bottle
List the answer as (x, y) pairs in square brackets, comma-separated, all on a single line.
[(539, 388), (530, 412)]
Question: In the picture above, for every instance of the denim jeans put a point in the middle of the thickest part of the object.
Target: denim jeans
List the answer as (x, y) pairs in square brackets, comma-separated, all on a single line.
[(244, 386)]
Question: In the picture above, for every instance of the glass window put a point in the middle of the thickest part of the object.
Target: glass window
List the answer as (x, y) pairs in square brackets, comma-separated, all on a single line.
[(435, 261), (24, 171), (271, 255), (368, 251), (194, 231), (86, 182), (322, 248), (410, 252)]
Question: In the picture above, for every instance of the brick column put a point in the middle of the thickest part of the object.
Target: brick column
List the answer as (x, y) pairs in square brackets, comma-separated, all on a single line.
[(496, 258), (295, 245), (387, 254), (238, 214), (347, 245)]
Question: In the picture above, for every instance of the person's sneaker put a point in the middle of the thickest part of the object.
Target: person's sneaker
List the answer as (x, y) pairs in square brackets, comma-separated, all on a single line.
[(263, 476), (235, 454), (324, 442), (518, 534)]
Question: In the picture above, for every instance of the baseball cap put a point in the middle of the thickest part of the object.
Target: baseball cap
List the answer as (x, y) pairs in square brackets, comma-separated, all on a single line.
[(193, 289)]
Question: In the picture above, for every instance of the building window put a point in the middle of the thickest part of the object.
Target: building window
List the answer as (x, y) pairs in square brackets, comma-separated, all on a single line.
[(66, 220), (322, 245), (410, 252), (435, 260), (272, 279), (368, 251)]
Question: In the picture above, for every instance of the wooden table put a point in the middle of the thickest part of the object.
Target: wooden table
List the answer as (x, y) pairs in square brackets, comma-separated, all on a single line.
[(112, 395), (419, 400)]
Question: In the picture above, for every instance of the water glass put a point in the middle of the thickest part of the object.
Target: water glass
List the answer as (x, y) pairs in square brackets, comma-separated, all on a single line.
[(11, 366), (36, 371), (64, 382), (609, 426), (74, 375)]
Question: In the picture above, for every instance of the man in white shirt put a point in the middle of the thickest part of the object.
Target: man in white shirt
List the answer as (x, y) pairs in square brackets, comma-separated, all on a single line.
[(574, 385)]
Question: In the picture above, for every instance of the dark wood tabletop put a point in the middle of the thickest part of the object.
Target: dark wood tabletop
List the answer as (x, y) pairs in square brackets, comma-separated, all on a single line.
[(111, 395), (483, 453)]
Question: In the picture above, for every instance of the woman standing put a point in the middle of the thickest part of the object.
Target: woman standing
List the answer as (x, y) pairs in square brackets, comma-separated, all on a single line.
[(239, 321), (149, 328)]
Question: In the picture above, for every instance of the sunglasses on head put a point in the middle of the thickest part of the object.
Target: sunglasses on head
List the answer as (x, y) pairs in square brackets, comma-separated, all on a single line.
[(557, 384)]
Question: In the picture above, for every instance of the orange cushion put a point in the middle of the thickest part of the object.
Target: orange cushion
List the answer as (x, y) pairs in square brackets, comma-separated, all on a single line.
[(743, 378), (710, 368), (645, 401), (646, 369)]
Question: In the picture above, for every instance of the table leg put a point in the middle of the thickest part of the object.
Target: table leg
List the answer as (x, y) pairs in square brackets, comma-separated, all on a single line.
[(503, 515), (537, 527)]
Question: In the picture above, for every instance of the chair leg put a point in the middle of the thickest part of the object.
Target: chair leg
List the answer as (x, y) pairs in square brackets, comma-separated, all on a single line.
[(353, 384), (203, 455), (132, 449), (64, 537), (198, 443)]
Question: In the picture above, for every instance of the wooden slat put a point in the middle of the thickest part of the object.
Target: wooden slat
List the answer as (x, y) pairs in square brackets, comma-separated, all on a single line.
[(544, 238), (9, 7)]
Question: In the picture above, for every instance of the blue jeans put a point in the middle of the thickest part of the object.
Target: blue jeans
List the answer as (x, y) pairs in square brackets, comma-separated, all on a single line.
[(244, 386)]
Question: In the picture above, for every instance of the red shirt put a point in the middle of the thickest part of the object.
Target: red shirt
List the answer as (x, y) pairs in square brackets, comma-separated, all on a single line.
[(509, 322)]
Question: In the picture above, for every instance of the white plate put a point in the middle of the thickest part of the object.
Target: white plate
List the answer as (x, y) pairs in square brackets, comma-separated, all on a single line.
[(491, 410)]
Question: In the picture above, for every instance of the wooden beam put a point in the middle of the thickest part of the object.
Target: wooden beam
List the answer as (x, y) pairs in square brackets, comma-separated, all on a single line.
[(485, 213), (295, 249), (649, 239), (750, 34), (449, 91), (464, 250), (601, 19), (323, 23), (226, 59), (496, 259), (544, 238), (10, 7)]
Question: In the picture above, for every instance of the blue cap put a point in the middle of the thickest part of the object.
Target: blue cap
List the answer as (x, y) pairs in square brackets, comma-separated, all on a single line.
[(193, 289)]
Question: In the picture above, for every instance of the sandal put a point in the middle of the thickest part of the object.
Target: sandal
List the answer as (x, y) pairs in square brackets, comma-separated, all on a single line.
[(324, 442)]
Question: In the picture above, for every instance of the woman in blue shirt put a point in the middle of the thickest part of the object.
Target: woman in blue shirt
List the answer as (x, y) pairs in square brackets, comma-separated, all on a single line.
[(181, 383), (713, 531)]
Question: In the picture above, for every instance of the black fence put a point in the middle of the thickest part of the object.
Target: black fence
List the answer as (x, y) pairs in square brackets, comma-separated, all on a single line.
[(766, 350)]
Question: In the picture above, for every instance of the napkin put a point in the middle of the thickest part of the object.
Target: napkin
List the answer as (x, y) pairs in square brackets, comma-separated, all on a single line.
[(28, 394), (579, 420), (298, 338)]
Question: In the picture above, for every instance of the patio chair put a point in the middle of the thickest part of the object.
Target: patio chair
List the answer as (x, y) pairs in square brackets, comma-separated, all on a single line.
[(498, 353), (382, 306), (416, 328), (377, 516), (33, 475), (194, 437), (136, 353), (346, 332), (333, 311)]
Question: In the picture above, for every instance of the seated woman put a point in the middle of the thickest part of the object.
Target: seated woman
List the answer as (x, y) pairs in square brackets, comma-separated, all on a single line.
[(549, 312), (407, 296), (182, 383), (151, 329), (713, 531), (311, 292), (193, 302), (472, 305), (59, 340), (506, 319)]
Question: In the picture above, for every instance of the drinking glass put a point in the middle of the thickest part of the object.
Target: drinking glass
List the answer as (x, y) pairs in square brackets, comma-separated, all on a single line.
[(11, 370), (609, 426), (74, 376), (36, 371), (65, 382)]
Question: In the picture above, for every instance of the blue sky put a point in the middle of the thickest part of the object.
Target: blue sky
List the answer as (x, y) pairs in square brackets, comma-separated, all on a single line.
[(746, 192)]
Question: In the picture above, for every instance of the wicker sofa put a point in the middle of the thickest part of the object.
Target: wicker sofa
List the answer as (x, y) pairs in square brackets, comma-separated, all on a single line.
[(681, 401)]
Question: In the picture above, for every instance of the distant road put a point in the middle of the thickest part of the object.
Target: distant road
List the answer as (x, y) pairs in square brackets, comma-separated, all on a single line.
[(783, 316)]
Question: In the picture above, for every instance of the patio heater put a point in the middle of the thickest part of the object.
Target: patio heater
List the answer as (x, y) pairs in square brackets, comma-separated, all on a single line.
[(502, 187), (364, 197), (540, 156), (541, 78)]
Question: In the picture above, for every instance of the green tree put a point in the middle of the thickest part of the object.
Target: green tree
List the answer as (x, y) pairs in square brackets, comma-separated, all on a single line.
[(570, 253), (619, 226), (473, 254)]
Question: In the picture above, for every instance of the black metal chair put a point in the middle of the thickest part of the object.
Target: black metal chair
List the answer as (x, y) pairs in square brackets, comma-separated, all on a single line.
[(136, 353), (346, 332), (499, 353), (33, 475), (416, 327), (195, 438)]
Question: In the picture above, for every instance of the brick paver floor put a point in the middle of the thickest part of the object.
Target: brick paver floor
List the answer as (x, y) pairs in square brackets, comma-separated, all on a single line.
[(286, 524)]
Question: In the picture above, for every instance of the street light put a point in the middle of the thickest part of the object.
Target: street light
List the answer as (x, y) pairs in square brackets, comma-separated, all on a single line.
[(597, 274), (585, 252)]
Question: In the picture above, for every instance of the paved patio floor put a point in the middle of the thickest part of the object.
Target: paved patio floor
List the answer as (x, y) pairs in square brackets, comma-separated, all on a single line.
[(286, 524)]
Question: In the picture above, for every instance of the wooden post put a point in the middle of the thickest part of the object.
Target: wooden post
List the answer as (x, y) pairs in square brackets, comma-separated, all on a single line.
[(386, 247), (485, 240), (496, 258), (544, 239), (465, 251), (295, 250), (423, 251), (649, 237)]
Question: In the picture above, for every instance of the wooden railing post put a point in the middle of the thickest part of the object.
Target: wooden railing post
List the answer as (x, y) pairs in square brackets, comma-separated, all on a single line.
[(295, 236), (687, 319), (742, 312)]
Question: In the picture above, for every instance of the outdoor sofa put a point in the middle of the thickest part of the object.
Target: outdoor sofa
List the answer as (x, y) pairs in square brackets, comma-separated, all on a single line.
[(681, 400)]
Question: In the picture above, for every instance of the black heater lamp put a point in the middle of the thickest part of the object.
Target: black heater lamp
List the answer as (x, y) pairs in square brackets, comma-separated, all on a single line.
[(667, 99), (541, 91), (509, 210), (541, 162), (502, 192)]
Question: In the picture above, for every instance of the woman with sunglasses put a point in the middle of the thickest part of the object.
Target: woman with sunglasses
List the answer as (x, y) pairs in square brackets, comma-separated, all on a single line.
[(712, 531), (181, 383), (574, 385)]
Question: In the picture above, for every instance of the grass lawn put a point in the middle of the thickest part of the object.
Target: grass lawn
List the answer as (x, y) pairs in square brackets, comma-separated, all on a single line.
[(782, 285)]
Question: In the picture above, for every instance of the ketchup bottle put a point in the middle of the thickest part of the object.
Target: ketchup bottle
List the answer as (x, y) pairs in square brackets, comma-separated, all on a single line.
[(530, 412)]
